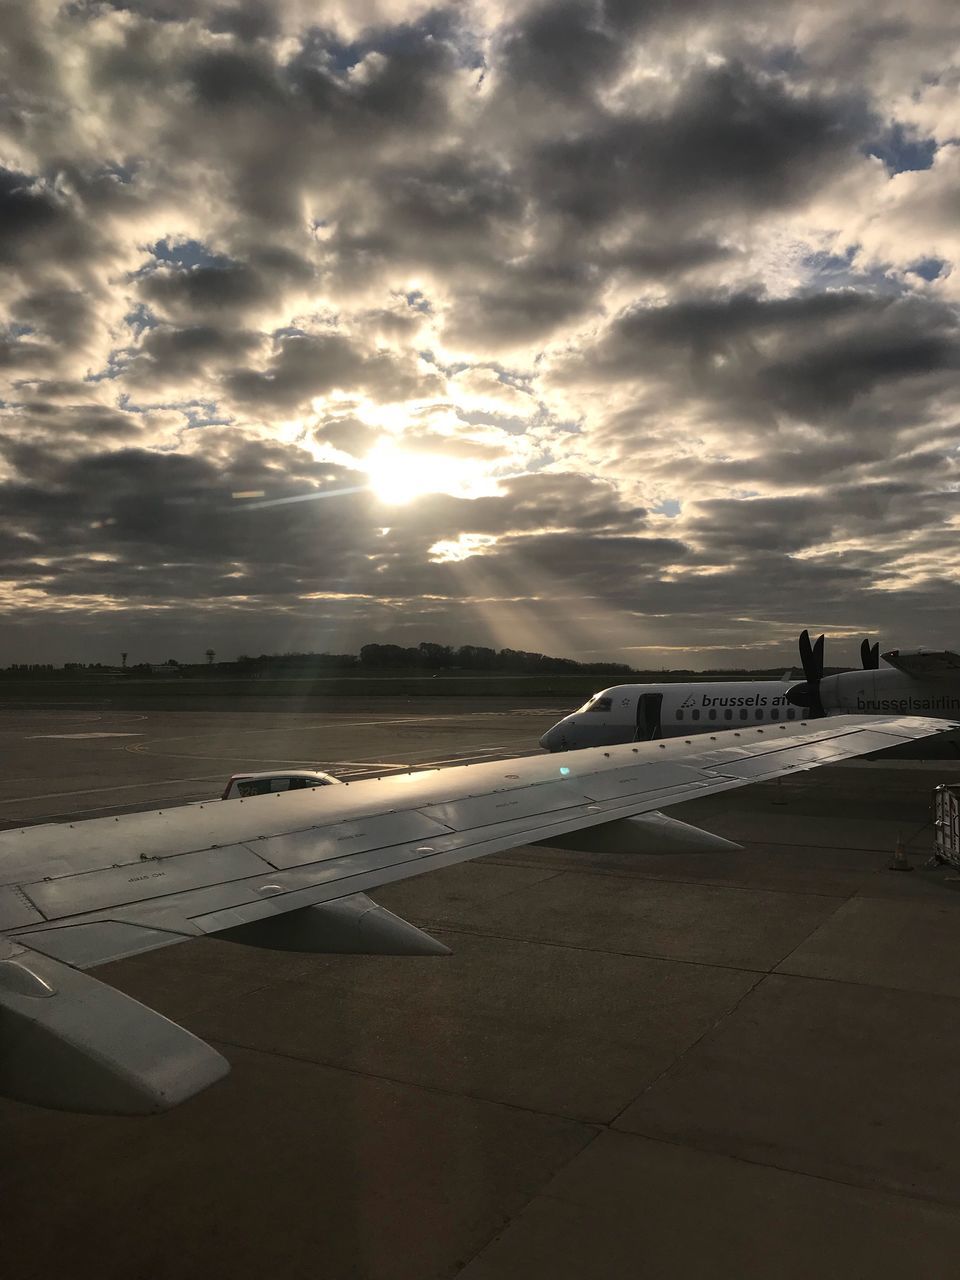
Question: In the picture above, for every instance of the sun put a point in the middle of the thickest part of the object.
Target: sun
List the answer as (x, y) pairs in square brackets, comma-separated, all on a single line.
[(399, 476)]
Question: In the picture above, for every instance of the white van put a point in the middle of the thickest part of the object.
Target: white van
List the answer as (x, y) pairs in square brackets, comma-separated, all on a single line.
[(243, 785)]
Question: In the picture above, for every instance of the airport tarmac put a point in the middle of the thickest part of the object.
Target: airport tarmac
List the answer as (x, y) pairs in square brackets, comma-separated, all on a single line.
[(726, 1065)]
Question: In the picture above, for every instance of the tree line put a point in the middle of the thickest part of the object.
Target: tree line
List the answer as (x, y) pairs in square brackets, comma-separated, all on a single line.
[(426, 656)]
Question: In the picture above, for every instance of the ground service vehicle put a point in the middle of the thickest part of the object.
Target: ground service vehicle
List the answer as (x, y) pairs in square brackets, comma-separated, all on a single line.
[(261, 784)]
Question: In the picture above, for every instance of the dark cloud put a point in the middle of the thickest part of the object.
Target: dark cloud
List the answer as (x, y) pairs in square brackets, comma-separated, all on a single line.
[(729, 142), (564, 48), (135, 523), (654, 258), (810, 357), (168, 356), (37, 218), (226, 78), (64, 315), (457, 215), (249, 20), (306, 365), (525, 303)]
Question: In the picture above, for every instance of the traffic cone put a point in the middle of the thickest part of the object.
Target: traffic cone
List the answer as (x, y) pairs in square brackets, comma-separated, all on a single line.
[(899, 862)]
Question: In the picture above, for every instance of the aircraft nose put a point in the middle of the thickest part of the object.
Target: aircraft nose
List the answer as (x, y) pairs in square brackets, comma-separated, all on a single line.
[(553, 739)]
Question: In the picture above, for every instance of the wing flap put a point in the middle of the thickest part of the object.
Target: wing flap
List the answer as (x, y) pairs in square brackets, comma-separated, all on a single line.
[(640, 780), (68, 895), (344, 839), (15, 909), (509, 804), (100, 941)]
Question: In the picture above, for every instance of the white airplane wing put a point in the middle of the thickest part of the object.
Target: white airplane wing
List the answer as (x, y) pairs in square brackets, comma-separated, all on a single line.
[(289, 870), (924, 662)]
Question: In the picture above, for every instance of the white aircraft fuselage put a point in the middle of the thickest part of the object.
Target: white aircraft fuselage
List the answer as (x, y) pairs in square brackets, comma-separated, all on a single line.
[(887, 690), (638, 712)]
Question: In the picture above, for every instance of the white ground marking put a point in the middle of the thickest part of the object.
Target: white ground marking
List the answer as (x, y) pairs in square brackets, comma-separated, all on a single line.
[(149, 749), (33, 737), (124, 786), (361, 724)]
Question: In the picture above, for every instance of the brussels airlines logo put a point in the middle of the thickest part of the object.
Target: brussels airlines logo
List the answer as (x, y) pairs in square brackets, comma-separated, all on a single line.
[(689, 701), (942, 702)]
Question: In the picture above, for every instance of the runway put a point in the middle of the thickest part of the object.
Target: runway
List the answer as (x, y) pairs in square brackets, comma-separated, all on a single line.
[(695, 1066)]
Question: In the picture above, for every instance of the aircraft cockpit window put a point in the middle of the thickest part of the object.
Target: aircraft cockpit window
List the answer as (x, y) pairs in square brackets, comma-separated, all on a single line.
[(599, 704)]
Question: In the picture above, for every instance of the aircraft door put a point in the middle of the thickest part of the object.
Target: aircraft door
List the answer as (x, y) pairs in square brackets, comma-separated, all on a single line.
[(648, 716)]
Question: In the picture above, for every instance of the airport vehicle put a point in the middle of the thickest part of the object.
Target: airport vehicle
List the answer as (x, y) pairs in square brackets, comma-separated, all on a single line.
[(269, 782), (921, 681), (289, 871)]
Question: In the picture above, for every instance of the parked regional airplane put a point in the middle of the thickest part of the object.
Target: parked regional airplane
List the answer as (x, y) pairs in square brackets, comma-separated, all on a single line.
[(288, 871), (642, 712), (917, 682)]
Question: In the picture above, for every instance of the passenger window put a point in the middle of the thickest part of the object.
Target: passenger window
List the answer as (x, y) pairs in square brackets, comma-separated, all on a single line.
[(694, 715), (774, 713), (712, 713), (758, 714), (728, 714), (679, 715), (743, 713), (791, 713)]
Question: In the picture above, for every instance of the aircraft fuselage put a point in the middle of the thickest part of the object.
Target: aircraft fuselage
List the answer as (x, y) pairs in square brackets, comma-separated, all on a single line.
[(639, 712)]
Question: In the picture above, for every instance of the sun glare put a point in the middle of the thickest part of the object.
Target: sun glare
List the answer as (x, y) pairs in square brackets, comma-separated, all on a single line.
[(398, 476)]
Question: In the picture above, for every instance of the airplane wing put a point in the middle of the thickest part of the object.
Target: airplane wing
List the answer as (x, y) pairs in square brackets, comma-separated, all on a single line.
[(923, 662), (289, 871)]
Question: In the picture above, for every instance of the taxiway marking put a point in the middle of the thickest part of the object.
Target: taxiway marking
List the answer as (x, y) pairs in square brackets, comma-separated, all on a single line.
[(34, 737), (123, 786)]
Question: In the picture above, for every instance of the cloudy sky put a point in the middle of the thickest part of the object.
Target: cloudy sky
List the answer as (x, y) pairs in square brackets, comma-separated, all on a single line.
[(610, 328)]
